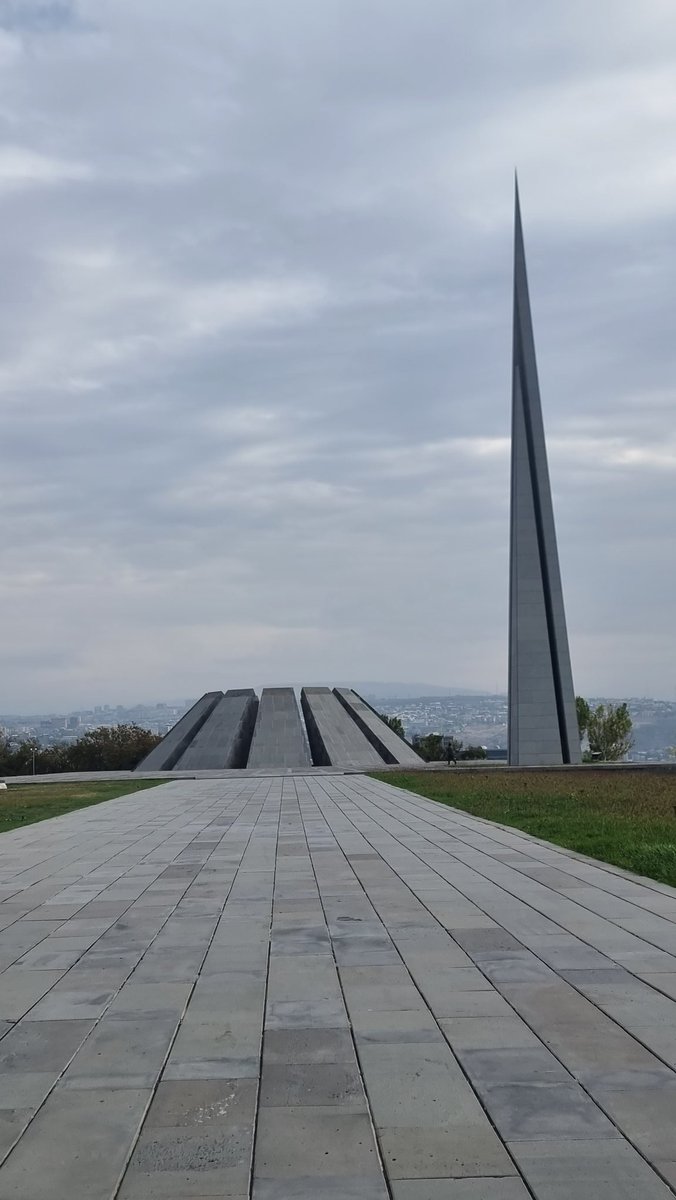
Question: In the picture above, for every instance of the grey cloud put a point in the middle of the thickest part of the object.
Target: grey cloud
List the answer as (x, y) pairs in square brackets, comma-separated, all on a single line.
[(255, 338), (38, 16)]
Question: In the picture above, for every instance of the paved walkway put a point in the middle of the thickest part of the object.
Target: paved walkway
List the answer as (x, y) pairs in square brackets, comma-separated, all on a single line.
[(451, 1011)]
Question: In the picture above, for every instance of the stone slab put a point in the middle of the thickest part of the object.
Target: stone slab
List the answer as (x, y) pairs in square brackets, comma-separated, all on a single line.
[(279, 736), (335, 739), (460, 1189), (293, 1142), (54, 1161), (587, 1170), (391, 748), (165, 756), (223, 741)]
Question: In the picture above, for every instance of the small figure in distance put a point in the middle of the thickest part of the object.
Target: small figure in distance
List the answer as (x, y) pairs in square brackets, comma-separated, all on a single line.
[(450, 753)]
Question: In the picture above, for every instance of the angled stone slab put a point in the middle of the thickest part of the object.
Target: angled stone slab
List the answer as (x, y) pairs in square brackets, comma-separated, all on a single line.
[(76, 1146), (223, 740), (297, 1142), (392, 748), (460, 1189), (279, 738), (332, 1187), (166, 755), (335, 739), (542, 719), (588, 1170)]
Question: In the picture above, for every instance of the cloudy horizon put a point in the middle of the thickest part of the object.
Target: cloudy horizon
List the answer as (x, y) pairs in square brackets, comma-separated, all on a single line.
[(255, 339)]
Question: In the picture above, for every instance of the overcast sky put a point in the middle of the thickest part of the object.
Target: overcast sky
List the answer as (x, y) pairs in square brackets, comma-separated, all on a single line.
[(255, 338)]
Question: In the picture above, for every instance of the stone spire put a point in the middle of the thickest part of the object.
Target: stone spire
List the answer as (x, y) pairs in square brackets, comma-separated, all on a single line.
[(542, 718)]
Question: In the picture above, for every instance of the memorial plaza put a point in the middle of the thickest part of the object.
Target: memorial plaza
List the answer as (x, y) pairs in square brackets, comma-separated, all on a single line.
[(315, 984)]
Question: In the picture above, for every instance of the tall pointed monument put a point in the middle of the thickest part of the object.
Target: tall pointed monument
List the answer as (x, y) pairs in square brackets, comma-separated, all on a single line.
[(543, 727)]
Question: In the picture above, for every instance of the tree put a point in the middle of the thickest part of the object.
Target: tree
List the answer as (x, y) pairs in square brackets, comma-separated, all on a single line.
[(430, 747), (609, 732), (395, 724), (583, 714), (108, 748), (472, 752), (111, 748), (18, 758)]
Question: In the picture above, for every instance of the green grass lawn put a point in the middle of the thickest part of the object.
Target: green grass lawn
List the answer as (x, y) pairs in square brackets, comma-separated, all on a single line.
[(626, 817), (22, 804)]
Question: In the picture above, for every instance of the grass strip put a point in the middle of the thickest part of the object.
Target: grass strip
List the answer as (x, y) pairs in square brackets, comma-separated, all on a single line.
[(23, 804), (626, 818)]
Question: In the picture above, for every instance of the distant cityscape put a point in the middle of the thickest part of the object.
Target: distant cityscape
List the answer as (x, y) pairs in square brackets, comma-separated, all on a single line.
[(474, 718), (482, 720), (50, 728)]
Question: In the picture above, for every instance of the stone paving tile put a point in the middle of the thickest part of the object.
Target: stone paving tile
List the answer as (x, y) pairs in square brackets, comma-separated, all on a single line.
[(460, 1189), (41, 1046), (315, 1084), (336, 1187), (44, 1166), (122, 1053), (196, 1140), (13, 1122), (78, 997), (597, 1170), (308, 1046), (25, 1089), (297, 1142), (449, 1151), (22, 988), (150, 999), (488, 1033), (531, 1065), (648, 1117), (306, 1014), (399, 1025)]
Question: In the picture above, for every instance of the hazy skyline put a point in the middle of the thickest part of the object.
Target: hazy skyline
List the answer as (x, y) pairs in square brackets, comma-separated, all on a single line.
[(255, 338)]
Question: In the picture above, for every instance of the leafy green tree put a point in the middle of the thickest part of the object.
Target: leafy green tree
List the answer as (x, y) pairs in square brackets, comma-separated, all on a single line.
[(108, 748), (609, 732), (395, 723), (5, 754), (52, 759), (472, 752), (430, 747), (111, 748), (583, 714), (18, 757)]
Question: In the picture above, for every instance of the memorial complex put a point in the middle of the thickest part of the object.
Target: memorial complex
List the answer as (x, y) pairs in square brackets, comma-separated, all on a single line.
[(336, 729)]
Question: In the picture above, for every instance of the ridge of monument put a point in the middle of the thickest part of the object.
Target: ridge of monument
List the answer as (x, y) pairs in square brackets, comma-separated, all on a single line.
[(543, 726)]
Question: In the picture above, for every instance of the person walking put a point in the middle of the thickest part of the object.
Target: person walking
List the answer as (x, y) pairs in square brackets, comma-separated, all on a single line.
[(450, 752)]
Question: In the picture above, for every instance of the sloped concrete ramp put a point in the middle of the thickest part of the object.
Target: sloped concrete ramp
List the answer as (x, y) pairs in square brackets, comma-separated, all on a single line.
[(279, 737), (391, 748), (224, 738), (323, 986), (335, 738), (165, 756)]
